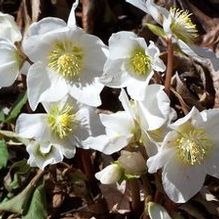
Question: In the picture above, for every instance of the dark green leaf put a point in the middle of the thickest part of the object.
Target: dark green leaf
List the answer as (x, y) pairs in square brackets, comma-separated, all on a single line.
[(3, 154), (16, 108), (156, 30), (2, 116), (37, 207)]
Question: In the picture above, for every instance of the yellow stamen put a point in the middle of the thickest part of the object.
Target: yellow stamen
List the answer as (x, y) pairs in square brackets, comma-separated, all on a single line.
[(140, 63), (61, 121), (193, 146), (66, 59), (182, 25)]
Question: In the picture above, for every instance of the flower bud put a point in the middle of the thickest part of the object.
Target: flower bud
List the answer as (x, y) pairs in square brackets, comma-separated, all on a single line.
[(132, 162), (110, 174)]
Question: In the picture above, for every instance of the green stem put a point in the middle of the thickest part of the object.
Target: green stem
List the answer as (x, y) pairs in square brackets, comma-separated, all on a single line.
[(169, 66)]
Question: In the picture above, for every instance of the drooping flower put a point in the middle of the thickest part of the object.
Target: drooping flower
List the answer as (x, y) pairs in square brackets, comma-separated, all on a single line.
[(65, 125), (188, 153), (131, 63), (126, 127), (176, 23), (133, 163), (65, 63)]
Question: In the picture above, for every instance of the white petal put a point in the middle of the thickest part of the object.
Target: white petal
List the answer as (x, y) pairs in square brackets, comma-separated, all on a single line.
[(36, 159), (71, 18), (37, 82), (67, 147), (182, 182), (88, 94), (120, 122), (110, 174), (9, 63), (141, 4), (157, 12), (123, 97), (9, 29), (32, 126), (136, 88), (114, 74), (159, 160), (155, 108), (156, 211), (121, 44)]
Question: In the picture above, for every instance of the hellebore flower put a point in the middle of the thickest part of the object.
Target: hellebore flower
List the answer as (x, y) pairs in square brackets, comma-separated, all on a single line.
[(65, 125), (127, 127), (188, 153), (131, 63), (176, 23), (67, 61)]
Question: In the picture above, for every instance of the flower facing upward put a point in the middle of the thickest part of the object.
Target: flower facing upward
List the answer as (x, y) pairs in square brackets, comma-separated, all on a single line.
[(65, 62), (61, 121), (188, 153), (131, 63), (66, 59), (64, 127)]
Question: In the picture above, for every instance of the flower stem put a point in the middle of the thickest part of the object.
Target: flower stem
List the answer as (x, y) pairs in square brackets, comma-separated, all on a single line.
[(169, 66), (135, 194)]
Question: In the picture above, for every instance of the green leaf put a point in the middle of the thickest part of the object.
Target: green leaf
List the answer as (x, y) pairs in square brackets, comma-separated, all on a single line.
[(2, 115), (13, 179), (156, 30), (16, 108), (157, 211), (18, 203), (37, 208), (3, 154)]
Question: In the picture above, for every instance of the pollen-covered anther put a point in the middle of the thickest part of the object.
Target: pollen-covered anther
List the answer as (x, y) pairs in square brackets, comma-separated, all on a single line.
[(61, 121), (66, 59), (182, 25), (140, 63), (193, 147)]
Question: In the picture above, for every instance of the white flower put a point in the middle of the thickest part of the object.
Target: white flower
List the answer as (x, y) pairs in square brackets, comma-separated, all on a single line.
[(10, 63), (157, 211), (176, 23), (64, 125), (132, 162), (110, 174), (131, 63), (67, 61), (188, 153), (9, 29), (42, 154), (126, 127)]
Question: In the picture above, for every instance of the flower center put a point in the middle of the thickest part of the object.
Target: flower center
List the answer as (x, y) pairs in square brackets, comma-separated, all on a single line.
[(182, 25), (66, 59), (140, 63), (61, 121), (193, 146)]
